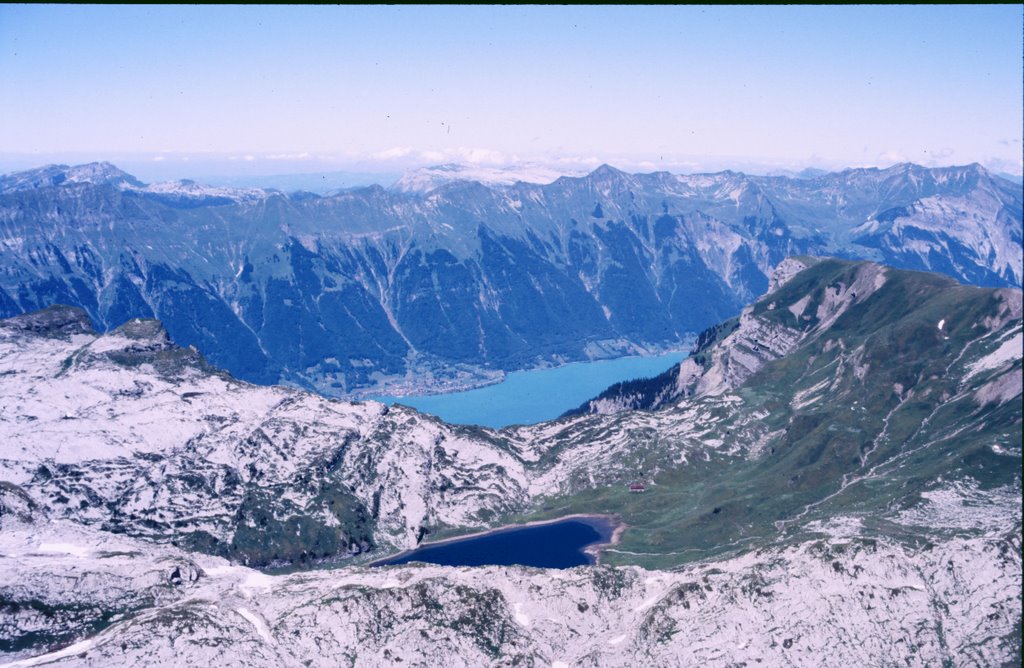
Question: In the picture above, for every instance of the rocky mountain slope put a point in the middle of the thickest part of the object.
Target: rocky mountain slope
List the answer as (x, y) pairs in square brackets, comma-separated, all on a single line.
[(129, 432), (728, 353), (848, 491), (840, 598), (454, 282)]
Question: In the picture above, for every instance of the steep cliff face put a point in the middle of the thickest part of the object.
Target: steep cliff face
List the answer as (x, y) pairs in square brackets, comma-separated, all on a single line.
[(852, 494), (372, 287)]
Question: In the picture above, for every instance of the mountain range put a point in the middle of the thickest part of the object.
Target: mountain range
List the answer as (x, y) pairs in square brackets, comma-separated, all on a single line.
[(444, 281), (833, 477)]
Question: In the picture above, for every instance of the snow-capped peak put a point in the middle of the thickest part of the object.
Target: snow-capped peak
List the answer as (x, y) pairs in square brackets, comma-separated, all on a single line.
[(96, 173), (425, 179), (187, 188)]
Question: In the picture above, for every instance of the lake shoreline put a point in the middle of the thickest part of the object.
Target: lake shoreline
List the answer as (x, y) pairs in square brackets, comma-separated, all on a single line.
[(595, 550), (475, 377), (592, 551), (539, 395)]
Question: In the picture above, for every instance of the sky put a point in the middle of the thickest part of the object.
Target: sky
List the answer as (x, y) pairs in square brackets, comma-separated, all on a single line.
[(177, 91)]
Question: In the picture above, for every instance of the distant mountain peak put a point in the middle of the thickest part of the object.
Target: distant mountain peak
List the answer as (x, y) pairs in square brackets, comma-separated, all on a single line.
[(606, 170), (96, 173), (606, 176), (426, 179), (189, 189)]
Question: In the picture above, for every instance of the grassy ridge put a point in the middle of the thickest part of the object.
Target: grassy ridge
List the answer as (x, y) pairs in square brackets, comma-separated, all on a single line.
[(891, 418)]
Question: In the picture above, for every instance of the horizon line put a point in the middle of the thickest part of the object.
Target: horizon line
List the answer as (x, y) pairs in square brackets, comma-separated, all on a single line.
[(469, 177)]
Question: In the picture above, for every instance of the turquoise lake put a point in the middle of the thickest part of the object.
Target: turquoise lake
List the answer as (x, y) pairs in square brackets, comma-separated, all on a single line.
[(528, 397)]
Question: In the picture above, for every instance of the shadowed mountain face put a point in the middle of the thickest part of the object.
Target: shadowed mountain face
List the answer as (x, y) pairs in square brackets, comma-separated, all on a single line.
[(374, 286)]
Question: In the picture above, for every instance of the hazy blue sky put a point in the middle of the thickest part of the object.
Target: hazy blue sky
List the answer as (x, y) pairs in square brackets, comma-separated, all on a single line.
[(386, 87)]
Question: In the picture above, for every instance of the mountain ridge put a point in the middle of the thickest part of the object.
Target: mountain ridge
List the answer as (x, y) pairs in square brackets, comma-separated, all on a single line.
[(373, 289)]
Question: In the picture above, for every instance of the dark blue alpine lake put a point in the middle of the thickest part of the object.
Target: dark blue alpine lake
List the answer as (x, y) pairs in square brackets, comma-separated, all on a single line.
[(558, 544)]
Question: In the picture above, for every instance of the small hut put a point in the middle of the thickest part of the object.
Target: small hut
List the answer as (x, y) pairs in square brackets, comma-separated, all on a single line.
[(637, 487)]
